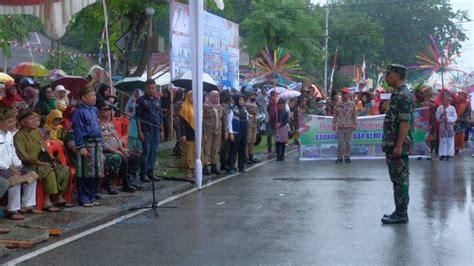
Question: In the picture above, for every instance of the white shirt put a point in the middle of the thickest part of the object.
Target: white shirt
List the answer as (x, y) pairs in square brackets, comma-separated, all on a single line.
[(451, 115), (8, 154)]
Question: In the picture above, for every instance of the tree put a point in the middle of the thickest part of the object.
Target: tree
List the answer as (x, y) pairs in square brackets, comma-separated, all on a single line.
[(289, 24), (16, 28), (74, 66)]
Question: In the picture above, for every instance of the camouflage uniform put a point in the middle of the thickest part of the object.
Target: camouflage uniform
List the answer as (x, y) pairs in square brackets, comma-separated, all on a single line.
[(225, 144), (252, 126), (401, 108), (214, 122)]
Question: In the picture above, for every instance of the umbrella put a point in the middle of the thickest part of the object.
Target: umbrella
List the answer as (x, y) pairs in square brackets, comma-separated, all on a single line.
[(30, 69), (71, 83), (4, 78), (278, 90), (130, 84), (56, 74), (289, 94), (185, 81), (98, 73)]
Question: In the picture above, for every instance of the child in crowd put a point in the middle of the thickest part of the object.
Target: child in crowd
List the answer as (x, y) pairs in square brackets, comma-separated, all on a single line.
[(88, 144), (54, 125)]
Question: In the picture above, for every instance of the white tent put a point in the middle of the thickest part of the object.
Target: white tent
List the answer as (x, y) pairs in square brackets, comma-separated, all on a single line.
[(55, 15)]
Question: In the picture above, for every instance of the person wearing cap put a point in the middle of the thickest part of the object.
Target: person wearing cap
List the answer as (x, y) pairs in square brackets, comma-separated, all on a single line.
[(33, 153), (60, 94), (149, 116), (344, 122), (252, 109), (89, 147), (21, 182), (397, 141), (119, 161)]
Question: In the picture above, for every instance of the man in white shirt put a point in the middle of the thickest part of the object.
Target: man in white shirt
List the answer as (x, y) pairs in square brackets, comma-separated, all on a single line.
[(11, 169), (446, 115)]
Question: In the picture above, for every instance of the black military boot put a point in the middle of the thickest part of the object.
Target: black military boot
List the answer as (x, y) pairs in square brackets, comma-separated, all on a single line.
[(108, 185), (214, 169), (127, 184), (205, 170), (399, 216), (249, 159)]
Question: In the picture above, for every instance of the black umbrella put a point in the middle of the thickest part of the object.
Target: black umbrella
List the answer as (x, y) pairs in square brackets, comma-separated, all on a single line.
[(185, 81)]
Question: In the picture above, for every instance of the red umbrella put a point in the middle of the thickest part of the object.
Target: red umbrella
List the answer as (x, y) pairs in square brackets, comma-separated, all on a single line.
[(71, 83)]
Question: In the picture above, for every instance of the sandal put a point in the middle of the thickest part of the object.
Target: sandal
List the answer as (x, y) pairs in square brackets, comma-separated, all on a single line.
[(64, 205), (4, 230), (96, 203), (30, 211), (51, 208), (14, 215), (87, 205)]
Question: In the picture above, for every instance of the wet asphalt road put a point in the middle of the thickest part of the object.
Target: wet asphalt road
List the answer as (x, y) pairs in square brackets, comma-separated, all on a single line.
[(298, 213)]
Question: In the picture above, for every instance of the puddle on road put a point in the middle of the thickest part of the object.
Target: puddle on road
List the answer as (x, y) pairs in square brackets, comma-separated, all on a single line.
[(347, 179)]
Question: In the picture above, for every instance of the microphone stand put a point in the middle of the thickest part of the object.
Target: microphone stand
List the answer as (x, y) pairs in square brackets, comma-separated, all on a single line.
[(154, 204)]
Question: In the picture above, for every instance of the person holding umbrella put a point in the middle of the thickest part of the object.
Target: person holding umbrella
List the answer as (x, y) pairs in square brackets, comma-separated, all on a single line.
[(150, 131)]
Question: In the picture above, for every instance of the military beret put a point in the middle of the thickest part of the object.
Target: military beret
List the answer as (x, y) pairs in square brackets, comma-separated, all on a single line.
[(396, 68)]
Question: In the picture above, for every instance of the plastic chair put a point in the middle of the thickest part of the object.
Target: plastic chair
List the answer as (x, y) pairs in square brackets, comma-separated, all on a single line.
[(55, 148), (121, 127)]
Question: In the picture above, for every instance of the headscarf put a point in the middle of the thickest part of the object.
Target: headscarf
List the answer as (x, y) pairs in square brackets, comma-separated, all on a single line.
[(29, 96), (461, 105), (50, 117), (210, 100), (45, 105), (187, 110), (64, 102), (10, 99)]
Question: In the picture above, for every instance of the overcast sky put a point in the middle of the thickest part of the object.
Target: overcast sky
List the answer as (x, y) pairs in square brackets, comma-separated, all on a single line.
[(466, 61)]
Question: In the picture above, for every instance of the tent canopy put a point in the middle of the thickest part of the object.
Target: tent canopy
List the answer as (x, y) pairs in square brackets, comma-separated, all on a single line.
[(54, 14)]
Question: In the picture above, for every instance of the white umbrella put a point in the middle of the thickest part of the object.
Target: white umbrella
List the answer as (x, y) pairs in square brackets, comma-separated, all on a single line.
[(185, 81), (278, 90), (289, 94)]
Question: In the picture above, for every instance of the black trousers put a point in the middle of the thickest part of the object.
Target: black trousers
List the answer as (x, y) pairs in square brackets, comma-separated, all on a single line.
[(130, 165), (280, 150), (224, 153), (238, 147)]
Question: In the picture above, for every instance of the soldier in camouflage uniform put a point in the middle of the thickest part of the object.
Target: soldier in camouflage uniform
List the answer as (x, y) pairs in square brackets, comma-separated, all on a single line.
[(252, 109), (398, 141)]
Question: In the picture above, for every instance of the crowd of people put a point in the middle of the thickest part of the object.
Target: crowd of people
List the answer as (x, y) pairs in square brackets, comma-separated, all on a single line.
[(33, 116)]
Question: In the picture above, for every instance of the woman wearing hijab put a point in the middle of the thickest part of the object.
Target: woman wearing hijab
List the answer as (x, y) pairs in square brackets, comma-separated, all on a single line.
[(463, 111), (134, 144), (187, 134), (53, 124), (12, 99), (60, 94), (237, 123), (46, 102)]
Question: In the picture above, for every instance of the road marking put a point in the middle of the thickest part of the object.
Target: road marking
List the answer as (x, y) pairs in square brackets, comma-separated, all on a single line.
[(121, 219)]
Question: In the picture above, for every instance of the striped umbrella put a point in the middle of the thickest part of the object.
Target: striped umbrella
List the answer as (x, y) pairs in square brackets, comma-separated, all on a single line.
[(29, 69)]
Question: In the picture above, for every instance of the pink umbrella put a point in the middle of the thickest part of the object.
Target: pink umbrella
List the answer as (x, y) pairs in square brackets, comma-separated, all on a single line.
[(290, 94), (56, 74), (98, 73)]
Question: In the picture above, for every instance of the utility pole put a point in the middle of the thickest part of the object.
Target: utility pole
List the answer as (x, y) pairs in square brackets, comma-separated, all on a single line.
[(326, 51)]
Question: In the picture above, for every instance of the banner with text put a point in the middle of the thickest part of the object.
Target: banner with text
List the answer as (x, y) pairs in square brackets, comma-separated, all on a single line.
[(319, 140)]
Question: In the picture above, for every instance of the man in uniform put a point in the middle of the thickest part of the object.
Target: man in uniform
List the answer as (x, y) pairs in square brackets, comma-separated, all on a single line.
[(398, 140), (252, 109), (344, 122)]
